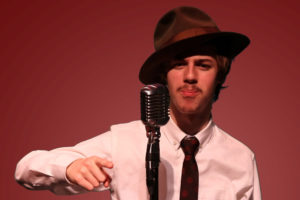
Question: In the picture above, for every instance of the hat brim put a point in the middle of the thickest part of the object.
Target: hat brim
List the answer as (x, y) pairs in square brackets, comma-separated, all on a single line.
[(227, 44)]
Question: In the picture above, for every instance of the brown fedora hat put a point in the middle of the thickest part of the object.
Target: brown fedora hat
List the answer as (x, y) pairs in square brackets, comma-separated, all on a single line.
[(186, 31)]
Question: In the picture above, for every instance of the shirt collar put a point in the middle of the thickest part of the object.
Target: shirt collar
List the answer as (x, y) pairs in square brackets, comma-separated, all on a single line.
[(174, 134)]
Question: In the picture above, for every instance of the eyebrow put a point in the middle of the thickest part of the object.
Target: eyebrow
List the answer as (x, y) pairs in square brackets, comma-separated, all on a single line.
[(204, 60), (178, 61), (196, 60), (183, 61), (208, 61)]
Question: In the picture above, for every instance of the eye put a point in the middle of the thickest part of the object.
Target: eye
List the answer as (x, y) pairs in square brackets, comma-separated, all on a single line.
[(203, 65), (178, 64), (206, 66)]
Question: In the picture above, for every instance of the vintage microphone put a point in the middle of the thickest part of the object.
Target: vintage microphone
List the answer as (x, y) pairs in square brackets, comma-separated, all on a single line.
[(154, 113)]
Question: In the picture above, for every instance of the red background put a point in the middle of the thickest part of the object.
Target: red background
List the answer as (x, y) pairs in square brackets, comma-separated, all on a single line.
[(68, 70)]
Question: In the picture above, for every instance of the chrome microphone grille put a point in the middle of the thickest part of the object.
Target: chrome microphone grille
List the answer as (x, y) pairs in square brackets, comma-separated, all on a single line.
[(154, 105)]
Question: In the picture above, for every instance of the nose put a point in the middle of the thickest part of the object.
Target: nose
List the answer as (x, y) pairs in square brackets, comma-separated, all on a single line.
[(190, 74)]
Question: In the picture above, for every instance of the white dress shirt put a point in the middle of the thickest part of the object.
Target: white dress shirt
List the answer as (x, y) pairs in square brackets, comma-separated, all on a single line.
[(227, 168)]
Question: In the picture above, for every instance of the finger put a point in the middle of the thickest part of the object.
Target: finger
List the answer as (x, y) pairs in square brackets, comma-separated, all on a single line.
[(101, 162), (84, 183), (91, 178), (107, 182), (99, 173), (96, 169)]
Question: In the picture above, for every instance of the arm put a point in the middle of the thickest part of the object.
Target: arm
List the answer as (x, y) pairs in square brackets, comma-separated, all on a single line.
[(256, 186), (251, 186), (47, 169)]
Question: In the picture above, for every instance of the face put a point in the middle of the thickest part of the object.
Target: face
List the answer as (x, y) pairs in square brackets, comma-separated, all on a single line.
[(192, 82)]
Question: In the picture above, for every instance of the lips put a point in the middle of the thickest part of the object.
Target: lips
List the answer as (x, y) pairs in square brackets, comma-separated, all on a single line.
[(189, 92)]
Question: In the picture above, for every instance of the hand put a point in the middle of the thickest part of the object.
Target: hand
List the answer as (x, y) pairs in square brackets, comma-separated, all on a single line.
[(89, 172)]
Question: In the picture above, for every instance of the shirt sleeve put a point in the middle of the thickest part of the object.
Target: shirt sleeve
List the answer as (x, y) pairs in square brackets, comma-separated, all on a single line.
[(256, 195), (46, 170)]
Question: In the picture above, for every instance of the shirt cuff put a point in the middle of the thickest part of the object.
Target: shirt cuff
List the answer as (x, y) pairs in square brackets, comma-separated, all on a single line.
[(61, 164)]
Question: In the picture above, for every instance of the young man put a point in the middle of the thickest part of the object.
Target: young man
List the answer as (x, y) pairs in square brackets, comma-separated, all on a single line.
[(192, 58)]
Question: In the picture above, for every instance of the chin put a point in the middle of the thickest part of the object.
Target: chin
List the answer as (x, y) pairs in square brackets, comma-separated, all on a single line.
[(189, 110)]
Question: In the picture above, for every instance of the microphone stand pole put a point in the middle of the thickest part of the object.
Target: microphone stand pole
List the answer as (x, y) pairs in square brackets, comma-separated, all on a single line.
[(152, 161)]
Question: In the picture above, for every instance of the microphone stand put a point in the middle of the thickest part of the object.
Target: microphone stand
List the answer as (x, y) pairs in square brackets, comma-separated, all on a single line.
[(152, 160), (154, 113)]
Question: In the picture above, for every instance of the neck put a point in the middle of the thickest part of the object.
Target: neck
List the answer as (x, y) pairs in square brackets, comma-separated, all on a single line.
[(191, 124)]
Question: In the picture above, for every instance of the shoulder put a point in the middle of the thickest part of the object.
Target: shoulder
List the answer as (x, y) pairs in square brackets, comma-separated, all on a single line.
[(117, 132), (231, 146), (128, 139), (136, 125), (134, 130)]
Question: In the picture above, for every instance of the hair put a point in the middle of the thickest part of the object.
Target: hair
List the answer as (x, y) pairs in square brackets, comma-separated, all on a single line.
[(223, 63)]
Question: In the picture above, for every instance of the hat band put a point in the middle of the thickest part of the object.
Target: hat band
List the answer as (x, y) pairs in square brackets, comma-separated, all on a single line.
[(189, 33)]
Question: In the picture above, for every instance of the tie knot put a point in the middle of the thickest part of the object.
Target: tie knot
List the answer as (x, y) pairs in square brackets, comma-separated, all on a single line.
[(189, 145)]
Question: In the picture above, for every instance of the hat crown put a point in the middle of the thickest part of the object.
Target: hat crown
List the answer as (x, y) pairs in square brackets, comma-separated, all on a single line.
[(182, 23), (187, 31)]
